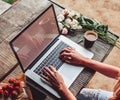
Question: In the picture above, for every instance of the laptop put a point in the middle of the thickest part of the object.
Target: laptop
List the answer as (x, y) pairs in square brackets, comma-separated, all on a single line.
[(39, 44)]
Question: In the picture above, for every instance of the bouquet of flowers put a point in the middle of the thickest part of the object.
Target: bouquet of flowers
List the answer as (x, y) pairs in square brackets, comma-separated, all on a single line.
[(67, 21), (70, 20)]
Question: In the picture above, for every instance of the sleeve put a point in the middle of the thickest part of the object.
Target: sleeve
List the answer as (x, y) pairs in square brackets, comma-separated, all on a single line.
[(117, 91)]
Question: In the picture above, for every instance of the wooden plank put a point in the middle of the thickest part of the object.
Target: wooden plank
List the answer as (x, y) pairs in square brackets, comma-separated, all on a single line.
[(3, 76), (4, 6), (7, 58), (6, 28), (16, 18), (15, 72), (6, 53)]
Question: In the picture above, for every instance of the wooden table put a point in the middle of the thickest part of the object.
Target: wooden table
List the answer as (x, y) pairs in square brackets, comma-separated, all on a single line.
[(11, 25)]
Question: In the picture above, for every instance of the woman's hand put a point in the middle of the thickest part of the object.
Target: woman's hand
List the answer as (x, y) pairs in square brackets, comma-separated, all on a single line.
[(56, 81), (71, 56), (53, 77)]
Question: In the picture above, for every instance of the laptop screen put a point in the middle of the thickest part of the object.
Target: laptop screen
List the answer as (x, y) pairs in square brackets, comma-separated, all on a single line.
[(34, 39)]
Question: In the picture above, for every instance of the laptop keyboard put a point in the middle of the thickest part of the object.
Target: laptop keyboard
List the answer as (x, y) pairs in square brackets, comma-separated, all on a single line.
[(52, 59)]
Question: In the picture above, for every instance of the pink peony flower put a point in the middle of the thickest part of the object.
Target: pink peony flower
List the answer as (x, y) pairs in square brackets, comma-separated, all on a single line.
[(64, 31), (65, 12)]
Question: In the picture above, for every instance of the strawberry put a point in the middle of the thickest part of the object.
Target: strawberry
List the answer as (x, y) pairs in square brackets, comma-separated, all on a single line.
[(1, 92), (14, 94), (6, 94), (5, 87), (17, 84), (11, 88), (18, 89), (11, 81)]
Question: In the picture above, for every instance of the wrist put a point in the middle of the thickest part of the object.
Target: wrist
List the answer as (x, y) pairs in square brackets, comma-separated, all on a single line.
[(62, 88), (65, 93), (85, 61)]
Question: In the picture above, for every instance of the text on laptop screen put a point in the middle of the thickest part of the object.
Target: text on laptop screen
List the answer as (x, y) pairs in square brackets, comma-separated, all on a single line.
[(32, 41)]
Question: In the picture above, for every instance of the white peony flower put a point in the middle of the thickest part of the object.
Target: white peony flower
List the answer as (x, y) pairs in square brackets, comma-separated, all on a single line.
[(74, 26), (60, 25), (60, 17), (79, 27), (74, 21), (68, 21)]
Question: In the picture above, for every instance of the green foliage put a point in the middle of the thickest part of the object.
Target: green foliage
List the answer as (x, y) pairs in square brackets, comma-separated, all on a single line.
[(8, 1)]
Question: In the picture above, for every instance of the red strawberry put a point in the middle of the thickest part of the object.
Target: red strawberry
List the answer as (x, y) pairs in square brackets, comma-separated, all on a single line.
[(11, 88), (6, 94), (11, 80), (5, 87), (17, 84), (1, 91), (18, 89), (14, 94)]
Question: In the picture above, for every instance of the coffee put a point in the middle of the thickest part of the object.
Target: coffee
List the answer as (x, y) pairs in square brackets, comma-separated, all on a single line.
[(90, 38)]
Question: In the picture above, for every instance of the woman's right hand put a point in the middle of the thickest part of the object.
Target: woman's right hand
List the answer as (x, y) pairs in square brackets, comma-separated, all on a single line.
[(71, 56)]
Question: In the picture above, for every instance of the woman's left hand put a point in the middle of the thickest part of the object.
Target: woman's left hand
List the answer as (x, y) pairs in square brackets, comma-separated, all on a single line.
[(53, 77)]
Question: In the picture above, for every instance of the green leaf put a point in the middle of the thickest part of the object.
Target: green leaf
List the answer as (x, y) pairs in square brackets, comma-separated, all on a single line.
[(88, 26), (88, 21)]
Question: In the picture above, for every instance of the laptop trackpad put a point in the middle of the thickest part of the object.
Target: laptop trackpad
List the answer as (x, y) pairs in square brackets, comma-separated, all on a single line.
[(69, 73)]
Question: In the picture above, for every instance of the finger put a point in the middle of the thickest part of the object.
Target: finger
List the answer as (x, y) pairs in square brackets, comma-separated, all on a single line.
[(44, 77), (68, 49), (49, 72), (46, 72), (46, 80), (52, 69), (53, 74), (64, 55), (67, 59)]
